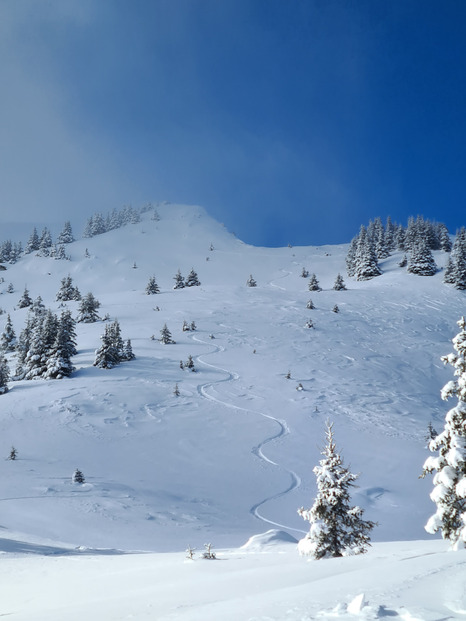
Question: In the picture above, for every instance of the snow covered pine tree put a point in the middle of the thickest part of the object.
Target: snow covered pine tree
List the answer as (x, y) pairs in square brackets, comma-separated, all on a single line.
[(337, 529), (87, 311), (449, 493)]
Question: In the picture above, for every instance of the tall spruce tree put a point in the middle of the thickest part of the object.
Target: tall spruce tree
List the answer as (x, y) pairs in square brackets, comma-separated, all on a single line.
[(33, 243), (421, 261), (106, 356), (366, 265), (8, 336), (66, 236), (455, 271), (337, 529), (4, 375), (45, 242), (449, 492), (58, 363)]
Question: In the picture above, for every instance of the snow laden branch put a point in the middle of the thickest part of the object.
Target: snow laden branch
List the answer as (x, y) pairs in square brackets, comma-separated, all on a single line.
[(449, 466)]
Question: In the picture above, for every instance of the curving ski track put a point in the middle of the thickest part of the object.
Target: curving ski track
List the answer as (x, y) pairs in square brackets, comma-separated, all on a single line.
[(257, 450)]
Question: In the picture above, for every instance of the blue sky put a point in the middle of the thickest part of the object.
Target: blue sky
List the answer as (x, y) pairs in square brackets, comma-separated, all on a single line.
[(291, 121)]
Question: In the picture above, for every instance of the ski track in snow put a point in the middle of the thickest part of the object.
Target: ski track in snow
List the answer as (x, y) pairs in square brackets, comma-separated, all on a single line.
[(257, 450)]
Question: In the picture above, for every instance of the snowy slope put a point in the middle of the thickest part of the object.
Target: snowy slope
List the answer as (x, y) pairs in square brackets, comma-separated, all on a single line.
[(232, 456)]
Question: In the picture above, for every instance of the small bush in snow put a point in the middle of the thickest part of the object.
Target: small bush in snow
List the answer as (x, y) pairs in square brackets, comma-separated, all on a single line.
[(208, 554), (190, 553)]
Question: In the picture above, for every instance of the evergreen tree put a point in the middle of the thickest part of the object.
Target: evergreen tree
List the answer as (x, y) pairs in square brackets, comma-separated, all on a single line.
[(251, 282), (66, 236), (45, 242), (6, 251), (67, 290), (13, 454), (351, 257), (421, 261), (400, 237), (449, 492), (4, 376), (87, 311), (58, 362), (152, 287), (335, 309), (35, 356), (78, 477), (23, 344), (44, 333), (68, 326), (379, 241), (25, 299), (165, 336), (455, 271), (189, 364), (192, 280), (390, 230), (304, 273), (38, 307), (107, 356), (310, 305), (176, 391), (116, 340), (59, 253), (33, 242), (17, 252), (179, 281), (8, 336), (128, 351), (337, 529), (366, 265), (444, 238), (339, 283), (314, 284)]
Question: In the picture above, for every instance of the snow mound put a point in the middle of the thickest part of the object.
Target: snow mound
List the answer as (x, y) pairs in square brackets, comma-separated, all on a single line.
[(271, 537)]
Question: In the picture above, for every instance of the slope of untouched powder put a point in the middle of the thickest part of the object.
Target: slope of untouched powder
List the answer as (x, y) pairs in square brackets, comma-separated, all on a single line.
[(410, 581)]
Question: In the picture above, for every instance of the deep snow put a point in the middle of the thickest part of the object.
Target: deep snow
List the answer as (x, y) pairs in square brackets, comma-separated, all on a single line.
[(232, 456)]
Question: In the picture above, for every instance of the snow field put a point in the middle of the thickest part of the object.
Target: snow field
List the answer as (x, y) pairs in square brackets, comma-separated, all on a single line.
[(233, 454)]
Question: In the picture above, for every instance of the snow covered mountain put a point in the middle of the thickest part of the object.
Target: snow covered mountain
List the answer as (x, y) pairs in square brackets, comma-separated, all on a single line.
[(232, 455)]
